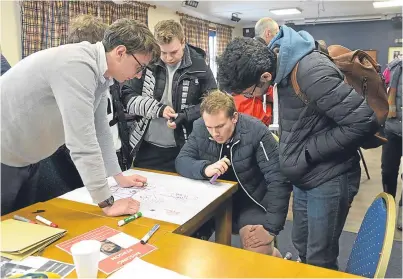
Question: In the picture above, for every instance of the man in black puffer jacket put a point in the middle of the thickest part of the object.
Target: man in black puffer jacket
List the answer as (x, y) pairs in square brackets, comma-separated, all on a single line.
[(166, 100), (318, 142), (240, 148)]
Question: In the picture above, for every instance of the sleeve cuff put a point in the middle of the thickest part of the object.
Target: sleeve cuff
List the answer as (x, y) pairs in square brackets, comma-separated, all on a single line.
[(113, 168), (180, 119), (270, 231), (161, 110), (100, 194), (203, 173)]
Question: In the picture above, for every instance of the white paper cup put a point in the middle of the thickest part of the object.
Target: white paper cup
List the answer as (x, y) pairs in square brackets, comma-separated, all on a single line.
[(86, 255)]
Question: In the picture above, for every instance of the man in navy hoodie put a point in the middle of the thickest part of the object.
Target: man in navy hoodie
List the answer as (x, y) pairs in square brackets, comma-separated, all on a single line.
[(318, 141)]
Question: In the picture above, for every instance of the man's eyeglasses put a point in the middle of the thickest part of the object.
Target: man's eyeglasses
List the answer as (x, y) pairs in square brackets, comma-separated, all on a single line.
[(142, 67)]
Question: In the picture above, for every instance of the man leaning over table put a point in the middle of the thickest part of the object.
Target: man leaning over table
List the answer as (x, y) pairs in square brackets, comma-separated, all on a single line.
[(240, 148), (62, 98)]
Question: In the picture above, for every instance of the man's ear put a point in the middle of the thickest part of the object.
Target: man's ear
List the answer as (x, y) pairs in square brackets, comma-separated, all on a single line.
[(267, 33), (120, 50), (265, 77), (235, 117)]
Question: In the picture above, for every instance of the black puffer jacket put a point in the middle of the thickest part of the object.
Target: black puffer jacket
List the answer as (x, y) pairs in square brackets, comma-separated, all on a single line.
[(330, 129), (191, 81), (255, 162)]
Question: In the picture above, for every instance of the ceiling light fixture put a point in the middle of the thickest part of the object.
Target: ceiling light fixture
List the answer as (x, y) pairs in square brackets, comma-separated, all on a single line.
[(235, 17), (292, 11), (387, 4)]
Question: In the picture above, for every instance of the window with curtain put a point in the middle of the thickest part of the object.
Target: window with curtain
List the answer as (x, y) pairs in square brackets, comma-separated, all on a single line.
[(212, 40), (196, 32), (45, 23)]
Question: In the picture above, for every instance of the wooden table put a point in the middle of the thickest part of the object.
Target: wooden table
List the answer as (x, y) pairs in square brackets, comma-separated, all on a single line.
[(77, 223), (220, 209), (185, 255), (202, 259)]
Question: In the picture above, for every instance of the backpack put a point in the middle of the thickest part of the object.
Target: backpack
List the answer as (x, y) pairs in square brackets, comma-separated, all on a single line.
[(363, 74)]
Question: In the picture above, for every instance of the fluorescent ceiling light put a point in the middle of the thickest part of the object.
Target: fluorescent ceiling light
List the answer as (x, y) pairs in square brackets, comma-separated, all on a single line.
[(291, 11), (387, 4)]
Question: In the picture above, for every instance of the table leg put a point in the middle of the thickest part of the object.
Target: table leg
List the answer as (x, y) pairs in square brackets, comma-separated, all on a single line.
[(223, 223)]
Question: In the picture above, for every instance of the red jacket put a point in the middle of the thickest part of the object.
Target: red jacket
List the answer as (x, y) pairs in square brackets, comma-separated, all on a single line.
[(254, 106)]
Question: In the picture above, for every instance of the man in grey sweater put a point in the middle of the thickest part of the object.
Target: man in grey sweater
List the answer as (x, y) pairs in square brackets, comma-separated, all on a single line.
[(58, 96)]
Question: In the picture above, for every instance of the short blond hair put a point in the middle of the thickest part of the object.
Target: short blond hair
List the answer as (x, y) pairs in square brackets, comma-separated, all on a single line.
[(218, 101), (167, 30), (86, 28)]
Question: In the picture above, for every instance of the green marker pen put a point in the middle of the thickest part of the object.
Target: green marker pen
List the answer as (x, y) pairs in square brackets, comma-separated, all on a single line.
[(129, 219)]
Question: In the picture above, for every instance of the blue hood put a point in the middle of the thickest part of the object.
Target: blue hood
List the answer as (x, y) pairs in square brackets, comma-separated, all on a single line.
[(293, 46)]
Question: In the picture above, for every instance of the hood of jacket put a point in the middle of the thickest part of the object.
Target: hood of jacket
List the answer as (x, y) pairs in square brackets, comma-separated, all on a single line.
[(293, 46), (394, 63)]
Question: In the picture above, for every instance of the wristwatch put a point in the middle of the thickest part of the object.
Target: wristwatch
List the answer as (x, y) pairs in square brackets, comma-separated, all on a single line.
[(108, 202)]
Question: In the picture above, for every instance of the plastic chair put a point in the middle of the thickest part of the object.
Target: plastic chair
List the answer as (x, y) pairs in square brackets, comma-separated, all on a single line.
[(372, 247)]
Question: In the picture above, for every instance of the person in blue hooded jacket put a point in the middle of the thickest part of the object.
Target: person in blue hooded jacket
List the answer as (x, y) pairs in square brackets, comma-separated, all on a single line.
[(318, 142)]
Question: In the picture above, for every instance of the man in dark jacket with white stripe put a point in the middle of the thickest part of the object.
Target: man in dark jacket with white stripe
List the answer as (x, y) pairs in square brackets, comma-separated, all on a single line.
[(318, 141), (240, 148), (166, 100)]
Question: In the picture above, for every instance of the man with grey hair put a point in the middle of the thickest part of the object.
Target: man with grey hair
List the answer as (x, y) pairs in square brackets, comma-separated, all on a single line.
[(265, 30), (62, 99)]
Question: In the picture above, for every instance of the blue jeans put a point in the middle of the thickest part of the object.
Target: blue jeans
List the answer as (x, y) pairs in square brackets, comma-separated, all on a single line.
[(319, 217)]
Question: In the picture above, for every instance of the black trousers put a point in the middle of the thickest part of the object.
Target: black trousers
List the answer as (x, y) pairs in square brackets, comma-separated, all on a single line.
[(391, 155), (153, 157), (65, 168), (18, 187)]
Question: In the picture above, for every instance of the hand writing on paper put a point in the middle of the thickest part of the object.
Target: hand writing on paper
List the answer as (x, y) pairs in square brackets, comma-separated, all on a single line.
[(130, 180), (219, 167), (257, 236), (126, 206)]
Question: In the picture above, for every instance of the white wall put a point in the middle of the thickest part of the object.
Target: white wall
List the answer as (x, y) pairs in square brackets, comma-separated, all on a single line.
[(158, 14), (237, 31), (10, 34)]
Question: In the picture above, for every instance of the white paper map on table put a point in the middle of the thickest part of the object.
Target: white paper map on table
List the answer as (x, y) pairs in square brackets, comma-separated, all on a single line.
[(142, 269), (169, 198)]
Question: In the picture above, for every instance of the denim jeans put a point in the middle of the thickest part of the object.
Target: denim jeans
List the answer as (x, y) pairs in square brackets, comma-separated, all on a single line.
[(391, 155), (319, 217)]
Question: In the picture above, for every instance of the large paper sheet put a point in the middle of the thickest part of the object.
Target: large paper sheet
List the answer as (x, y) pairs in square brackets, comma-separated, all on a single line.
[(141, 269), (169, 198)]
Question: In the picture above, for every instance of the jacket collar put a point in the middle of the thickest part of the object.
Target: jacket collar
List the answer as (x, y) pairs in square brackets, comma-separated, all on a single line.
[(260, 39), (103, 65), (238, 129)]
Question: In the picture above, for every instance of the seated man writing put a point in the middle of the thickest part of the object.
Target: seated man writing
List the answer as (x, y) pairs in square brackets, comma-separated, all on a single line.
[(240, 148)]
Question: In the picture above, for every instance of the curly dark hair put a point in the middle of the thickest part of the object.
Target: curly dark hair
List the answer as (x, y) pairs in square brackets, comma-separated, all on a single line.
[(242, 63)]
